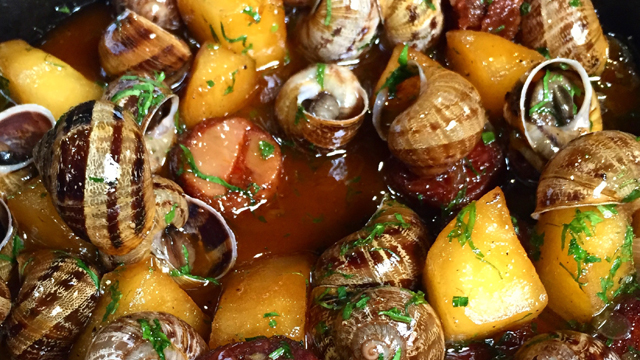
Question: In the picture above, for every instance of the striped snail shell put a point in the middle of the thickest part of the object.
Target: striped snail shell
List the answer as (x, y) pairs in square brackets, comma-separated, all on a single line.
[(134, 44), (5, 301), (389, 250), (94, 165), (417, 23), (595, 169), (567, 31), (124, 339), (55, 302), (8, 239), (327, 115), (365, 333), (163, 13), (153, 106), (338, 30), (545, 97), (565, 345)]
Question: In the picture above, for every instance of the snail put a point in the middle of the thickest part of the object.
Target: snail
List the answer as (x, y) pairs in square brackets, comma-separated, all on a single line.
[(551, 105), (8, 241), (260, 348), (376, 323), (21, 127), (147, 335), (153, 106), (418, 23), (565, 345), (595, 169), (323, 104), (134, 44), (54, 304), (338, 30), (5, 301), (205, 245), (163, 13), (94, 165), (390, 250), (567, 31)]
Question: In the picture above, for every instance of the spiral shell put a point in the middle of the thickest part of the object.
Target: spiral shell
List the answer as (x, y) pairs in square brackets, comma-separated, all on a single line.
[(327, 115), (442, 126), (418, 23), (5, 301), (54, 304), (395, 257), (94, 165), (135, 44), (565, 345), (368, 335), (567, 31), (545, 139), (157, 121), (123, 339), (594, 169), (163, 13), (339, 34)]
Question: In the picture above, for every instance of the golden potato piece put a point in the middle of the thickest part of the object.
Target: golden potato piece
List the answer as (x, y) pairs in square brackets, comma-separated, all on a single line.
[(488, 284)]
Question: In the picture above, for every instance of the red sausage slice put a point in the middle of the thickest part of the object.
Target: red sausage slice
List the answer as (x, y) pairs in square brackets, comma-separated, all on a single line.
[(278, 347)]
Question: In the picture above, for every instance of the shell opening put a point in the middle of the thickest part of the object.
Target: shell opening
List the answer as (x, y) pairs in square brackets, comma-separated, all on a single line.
[(6, 224), (162, 120), (21, 127), (324, 106)]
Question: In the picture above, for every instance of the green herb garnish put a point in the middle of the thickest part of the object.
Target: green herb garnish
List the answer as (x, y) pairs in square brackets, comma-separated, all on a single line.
[(320, 69), (210, 83), (417, 298), (242, 38), (575, 229), (498, 29), (322, 327), (252, 13), (460, 301), (185, 270), (284, 349), (635, 194), (229, 88), (624, 254), (96, 179), (536, 241), (155, 336), (116, 295), (396, 315), (327, 19), (374, 231), (274, 28), (400, 74), (146, 93), (300, 115), (429, 4), (63, 9), (270, 314), (81, 264), (168, 218), (398, 354), (488, 137), (266, 149), (525, 8), (575, 3)]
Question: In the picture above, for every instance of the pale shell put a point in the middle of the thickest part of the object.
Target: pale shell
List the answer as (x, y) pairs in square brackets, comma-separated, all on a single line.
[(163, 13), (418, 23)]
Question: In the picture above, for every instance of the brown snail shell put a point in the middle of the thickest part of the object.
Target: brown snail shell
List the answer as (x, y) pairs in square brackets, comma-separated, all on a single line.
[(442, 126), (94, 165), (5, 301), (135, 44), (327, 117), (395, 257), (157, 122), (417, 23), (341, 36), (542, 139), (54, 304), (565, 345), (368, 335), (567, 31), (163, 13), (8, 239), (595, 169), (210, 243), (123, 339)]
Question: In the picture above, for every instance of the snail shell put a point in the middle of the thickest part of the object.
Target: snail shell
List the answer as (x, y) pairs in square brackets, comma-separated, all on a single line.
[(595, 169), (135, 44), (565, 345), (327, 116), (5, 301), (368, 335), (157, 122), (123, 339), (54, 304), (94, 165), (395, 257), (442, 126), (9, 236), (342, 35), (417, 23), (567, 31), (543, 138), (163, 13)]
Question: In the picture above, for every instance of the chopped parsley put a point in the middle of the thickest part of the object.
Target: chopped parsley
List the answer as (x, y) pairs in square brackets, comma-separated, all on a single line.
[(608, 210), (320, 69), (488, 137), (398, 354), (536, 241), (180, 127), (96, 179), (635, 194), (146, 93), (498, 29), (63, 9), (374, 231), (273, 323), (525, 8), (575, 229), (575, 3), (229, 88), (361, 303), (300, 115), (396, 315), (253, 14), (284, 349), (246, 50), (624, 254), (210, 83), (516, 228), (168, 218), (429, 4), (457, 200), (185, 270), (400, 74), (329, 271), (266, 149), (547, 95), (327, 19), (242, 38), (81, 264), (544, 52), (155, 336), (460, 301), (213, 34), (274, 28), (17, 247), (417, 298), (270, 314), (116, 295)]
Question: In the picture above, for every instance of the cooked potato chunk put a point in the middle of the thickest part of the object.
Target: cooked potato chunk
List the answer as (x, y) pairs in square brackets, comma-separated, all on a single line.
[(491, 63), (478, 277), (135, 288), (221, 81), (265, 298), (597, 241), (36, 77), (253, 27)]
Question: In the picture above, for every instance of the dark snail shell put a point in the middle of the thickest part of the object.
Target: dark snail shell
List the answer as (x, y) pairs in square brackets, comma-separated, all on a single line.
[(123, 339), (565, 345), (365, 334), (135, 44), (5, 301), (395, 257), (94, 165), (595, 169), (54, 304), (163, 13)]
